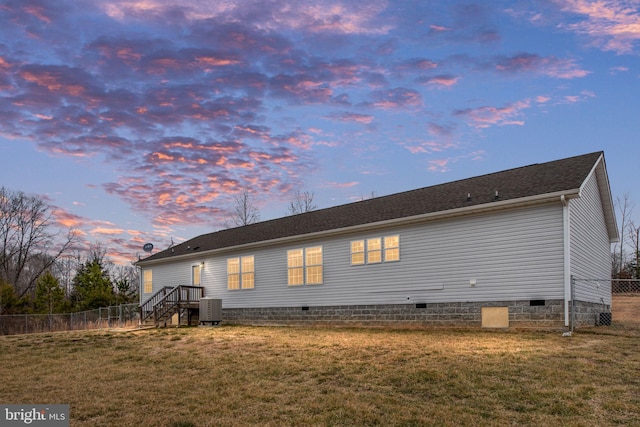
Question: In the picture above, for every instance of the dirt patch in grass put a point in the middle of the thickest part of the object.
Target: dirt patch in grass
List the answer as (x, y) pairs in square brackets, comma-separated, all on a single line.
[(238, 376)]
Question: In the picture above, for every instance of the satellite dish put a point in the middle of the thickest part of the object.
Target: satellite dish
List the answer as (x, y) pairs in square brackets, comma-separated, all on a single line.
[(148, 247)]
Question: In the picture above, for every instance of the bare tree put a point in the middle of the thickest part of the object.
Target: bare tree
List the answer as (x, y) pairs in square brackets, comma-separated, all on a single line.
[(625, 209), (244, 211), (28, 247), (634, 244), (125, 281), (301, 203)]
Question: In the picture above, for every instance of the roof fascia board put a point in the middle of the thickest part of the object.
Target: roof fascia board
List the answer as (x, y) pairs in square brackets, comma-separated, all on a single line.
[(602, 180), (452, 213)]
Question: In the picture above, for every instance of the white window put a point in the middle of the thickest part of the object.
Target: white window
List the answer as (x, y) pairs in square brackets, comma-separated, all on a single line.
[(304, 266), (241, 273), (195, 275), (375, 250), (248, 273), (148, 281), (314, 265), (392, 248), (357, 252)]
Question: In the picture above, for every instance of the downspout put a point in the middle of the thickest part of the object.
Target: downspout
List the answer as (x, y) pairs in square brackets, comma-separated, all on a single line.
[(567, 256)]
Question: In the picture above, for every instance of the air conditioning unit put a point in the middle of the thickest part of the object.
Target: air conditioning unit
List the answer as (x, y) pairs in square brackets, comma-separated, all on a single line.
[(210, 310)]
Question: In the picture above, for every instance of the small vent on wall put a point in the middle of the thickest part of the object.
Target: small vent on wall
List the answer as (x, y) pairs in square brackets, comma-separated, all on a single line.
[(305, 308), (536, 302), (421, 305)]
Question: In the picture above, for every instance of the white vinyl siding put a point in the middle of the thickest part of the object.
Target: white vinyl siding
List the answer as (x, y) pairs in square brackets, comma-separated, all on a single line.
[(512, 255), (590, 245)]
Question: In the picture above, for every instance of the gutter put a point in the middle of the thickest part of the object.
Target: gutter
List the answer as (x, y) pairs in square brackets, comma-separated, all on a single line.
[(566, 224)]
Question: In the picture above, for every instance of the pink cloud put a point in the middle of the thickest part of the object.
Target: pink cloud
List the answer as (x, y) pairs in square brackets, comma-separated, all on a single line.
[(66, 219), (439, 165), (364, 119), (396, 98), (612, 25), (107, 231), (440, 81), (486, 116), (442, 165), (549, 66), (341, 184), (335, 17), (584, 96), (618, 69), (417, 64), (427, 147), (438, 28)]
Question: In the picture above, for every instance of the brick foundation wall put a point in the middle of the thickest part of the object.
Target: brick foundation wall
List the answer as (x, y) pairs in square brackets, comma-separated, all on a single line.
[(522, 314)]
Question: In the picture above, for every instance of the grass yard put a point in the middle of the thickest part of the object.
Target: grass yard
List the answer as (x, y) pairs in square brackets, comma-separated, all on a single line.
[(279, 376)]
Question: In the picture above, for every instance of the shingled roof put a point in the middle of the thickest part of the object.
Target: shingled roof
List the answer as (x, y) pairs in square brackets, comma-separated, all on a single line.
[(524, 182)]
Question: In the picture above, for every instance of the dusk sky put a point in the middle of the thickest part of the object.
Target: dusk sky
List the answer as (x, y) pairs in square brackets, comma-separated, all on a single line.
[(140, 121)]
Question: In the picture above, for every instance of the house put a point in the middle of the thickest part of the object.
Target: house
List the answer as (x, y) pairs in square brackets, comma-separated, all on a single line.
[(496, 250)]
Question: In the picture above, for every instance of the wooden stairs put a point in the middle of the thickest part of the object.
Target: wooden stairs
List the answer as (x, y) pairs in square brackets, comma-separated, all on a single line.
[(161, 309)]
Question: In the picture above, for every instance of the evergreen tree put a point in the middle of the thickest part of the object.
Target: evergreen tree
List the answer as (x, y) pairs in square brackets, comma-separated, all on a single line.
[(92, 286), (9, 301), (127, 292), (50, 296)]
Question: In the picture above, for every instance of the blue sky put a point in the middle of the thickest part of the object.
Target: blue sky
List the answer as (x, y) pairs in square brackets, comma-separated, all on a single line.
[(141, 120)]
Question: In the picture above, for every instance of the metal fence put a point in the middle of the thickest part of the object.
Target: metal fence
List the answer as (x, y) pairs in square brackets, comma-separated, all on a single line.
[(118, 316), (604, 301), (630, 287)]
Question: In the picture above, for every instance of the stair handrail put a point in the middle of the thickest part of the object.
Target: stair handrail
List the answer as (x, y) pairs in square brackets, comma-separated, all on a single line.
[(163, 301), (146, 308)]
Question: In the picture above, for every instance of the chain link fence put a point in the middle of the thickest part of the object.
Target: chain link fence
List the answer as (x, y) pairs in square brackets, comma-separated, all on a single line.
[(601, 302), (628, 287), (117, 316), (626, 301)]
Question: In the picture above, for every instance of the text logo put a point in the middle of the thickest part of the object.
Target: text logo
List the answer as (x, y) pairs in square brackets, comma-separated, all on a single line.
[(34, 415)]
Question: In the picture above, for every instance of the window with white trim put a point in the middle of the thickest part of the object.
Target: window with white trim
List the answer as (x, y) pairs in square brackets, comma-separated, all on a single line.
[(147, 281), (375, 250), (357, 252), (392, 248), (195, 275), (304, 266), (241, 273)]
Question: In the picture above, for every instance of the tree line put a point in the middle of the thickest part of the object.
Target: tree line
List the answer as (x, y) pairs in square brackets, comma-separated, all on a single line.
[(39, 271), (43, 271)]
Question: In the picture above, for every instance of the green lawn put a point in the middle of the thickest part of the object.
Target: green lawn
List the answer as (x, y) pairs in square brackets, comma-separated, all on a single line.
[(237, 376)]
